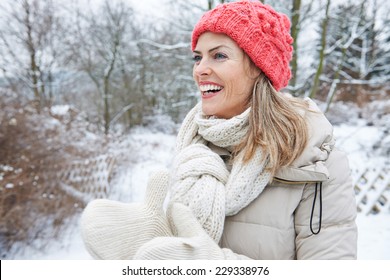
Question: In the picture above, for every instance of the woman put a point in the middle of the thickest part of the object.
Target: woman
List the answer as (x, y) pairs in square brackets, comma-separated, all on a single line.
[(256, 174)]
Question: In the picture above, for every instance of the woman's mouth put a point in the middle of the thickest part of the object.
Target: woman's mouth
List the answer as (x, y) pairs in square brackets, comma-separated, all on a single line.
[(209, 90)]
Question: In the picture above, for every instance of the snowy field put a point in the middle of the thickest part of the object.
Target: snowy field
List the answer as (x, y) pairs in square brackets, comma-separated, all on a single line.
[(374, 230), (156, 150)]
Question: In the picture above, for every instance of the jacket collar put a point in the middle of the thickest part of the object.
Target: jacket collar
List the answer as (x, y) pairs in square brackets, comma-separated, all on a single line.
[(310, 165), (314, 173)]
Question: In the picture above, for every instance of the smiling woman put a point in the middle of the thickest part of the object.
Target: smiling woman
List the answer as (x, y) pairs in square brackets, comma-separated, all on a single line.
[(220, 71), (255, 174)]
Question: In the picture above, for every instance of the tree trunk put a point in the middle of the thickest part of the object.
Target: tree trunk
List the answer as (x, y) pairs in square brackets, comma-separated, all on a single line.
[(294, 33), (336, 80), (33, 64), (210, 4), (324, 28)]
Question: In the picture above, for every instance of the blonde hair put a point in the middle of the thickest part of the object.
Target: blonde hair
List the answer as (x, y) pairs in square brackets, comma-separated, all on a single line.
[(275, 125)]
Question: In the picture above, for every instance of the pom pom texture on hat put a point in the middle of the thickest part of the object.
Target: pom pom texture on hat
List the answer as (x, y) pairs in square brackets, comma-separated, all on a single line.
[(259, 30)]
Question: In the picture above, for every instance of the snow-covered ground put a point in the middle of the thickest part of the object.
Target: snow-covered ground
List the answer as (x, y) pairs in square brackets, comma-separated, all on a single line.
[(156, 152), (358, 141)]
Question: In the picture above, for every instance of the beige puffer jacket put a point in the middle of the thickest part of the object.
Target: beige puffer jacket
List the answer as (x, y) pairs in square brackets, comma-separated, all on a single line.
[(307, 212)]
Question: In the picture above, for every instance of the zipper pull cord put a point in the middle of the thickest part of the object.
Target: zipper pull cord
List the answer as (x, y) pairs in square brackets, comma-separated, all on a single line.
[(312, 210)]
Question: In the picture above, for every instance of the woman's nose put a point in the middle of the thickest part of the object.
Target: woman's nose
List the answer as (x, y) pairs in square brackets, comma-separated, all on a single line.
[(202, 68)]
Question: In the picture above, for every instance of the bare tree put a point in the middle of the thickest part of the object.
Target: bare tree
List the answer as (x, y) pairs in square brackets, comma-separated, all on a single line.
[(295, 12), (99, 40), (381, 67), (301, 12), (322, 49), (352, 52), (30, 46)]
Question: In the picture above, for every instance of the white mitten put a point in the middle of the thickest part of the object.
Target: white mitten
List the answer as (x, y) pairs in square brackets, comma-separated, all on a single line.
[(192, 242), (115, 230)]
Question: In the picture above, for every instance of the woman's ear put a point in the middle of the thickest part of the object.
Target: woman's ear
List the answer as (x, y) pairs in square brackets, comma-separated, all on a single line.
[(252, 70)]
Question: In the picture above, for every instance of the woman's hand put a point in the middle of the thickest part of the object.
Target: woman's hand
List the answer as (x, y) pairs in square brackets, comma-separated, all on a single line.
[(115, 230), (191, 243)]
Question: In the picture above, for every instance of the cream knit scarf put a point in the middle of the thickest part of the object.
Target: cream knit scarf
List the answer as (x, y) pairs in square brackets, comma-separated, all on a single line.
[(200, 178)]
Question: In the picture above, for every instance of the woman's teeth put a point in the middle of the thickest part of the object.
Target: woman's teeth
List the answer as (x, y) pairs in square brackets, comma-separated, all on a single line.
[(209, 89)]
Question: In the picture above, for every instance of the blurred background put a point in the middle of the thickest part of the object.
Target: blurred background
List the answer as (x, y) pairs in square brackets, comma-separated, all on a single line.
[(92, 94)]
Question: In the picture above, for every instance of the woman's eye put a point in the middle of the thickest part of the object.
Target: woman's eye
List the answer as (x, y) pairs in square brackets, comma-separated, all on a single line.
[(196, 58), (220, 56)]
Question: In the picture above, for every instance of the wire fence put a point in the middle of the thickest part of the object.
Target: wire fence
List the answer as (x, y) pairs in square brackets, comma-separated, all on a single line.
[(372, 189)]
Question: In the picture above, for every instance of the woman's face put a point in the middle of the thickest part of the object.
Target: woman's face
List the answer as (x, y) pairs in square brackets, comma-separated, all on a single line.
[(223, 74)]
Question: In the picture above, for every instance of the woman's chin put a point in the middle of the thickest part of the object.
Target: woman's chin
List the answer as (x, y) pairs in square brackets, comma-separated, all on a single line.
[(208, 109)]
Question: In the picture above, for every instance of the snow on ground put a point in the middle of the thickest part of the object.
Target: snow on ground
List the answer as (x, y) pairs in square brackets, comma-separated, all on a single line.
[(155, 152), (358, 141), (374, 237)]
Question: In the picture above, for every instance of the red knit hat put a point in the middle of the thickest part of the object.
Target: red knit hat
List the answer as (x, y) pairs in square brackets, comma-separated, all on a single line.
[(259, 30)]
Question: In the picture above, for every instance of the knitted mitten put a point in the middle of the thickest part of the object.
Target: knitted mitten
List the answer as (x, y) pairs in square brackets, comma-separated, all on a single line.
[(116, 230), (192, 242)]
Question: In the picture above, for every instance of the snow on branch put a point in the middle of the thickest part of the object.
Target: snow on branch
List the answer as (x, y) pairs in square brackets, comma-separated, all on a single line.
[(164, 47)]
